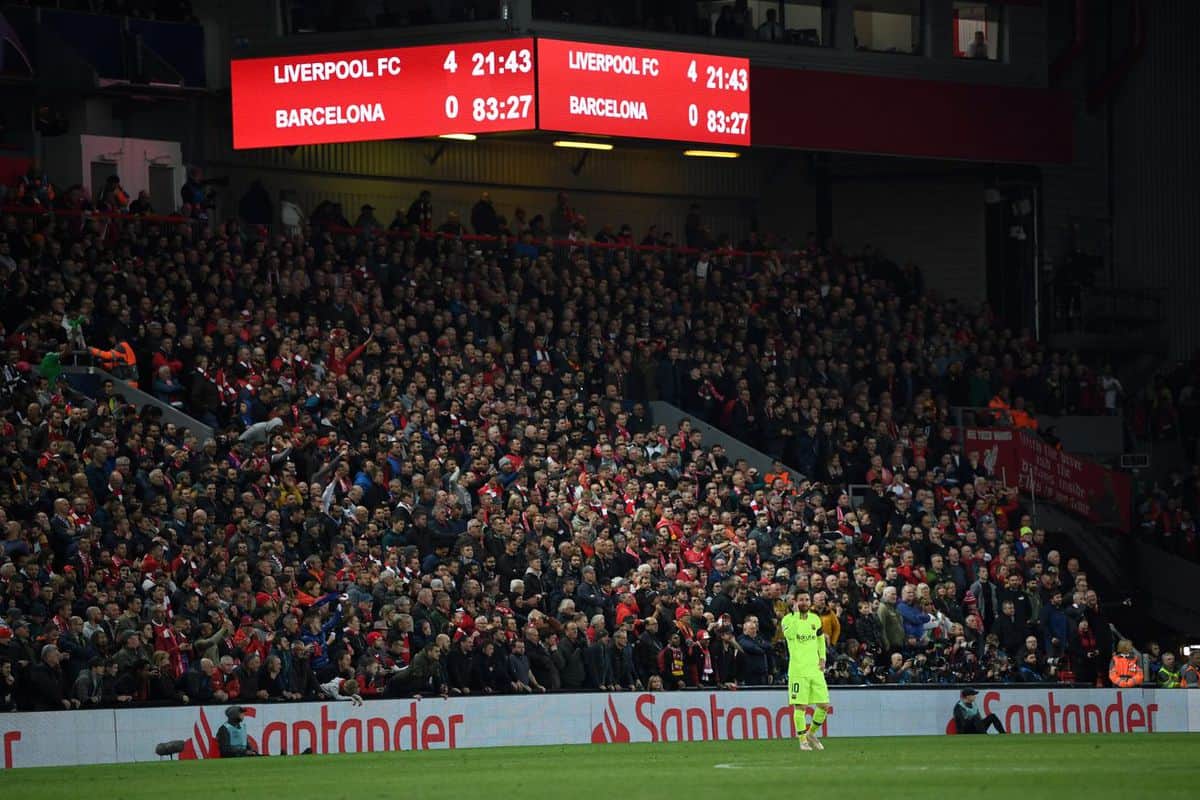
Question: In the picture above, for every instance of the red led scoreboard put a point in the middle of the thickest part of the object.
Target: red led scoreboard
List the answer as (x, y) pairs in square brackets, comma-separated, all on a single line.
[(650, 94), (406, 92), (487, 87)]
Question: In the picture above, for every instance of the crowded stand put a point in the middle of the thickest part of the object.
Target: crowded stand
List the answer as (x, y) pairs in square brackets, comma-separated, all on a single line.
[(435, 469)]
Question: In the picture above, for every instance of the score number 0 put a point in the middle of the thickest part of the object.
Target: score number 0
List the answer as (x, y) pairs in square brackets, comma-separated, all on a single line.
[(451, 65), (490, 109)]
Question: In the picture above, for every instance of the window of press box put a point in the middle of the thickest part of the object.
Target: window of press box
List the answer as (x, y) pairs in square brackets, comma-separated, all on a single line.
[(329, 16), (809, 22), (976, 30), (797, 22), (888, 26), (803, 22)]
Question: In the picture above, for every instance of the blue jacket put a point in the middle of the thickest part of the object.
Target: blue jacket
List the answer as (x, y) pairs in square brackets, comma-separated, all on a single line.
[(589, 599), (320, 651), (1053, 624), (914, 620), (754, 664)]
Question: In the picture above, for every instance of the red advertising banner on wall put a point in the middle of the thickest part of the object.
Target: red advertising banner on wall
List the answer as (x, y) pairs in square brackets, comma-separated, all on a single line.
[(910, 117), (1084, 487)]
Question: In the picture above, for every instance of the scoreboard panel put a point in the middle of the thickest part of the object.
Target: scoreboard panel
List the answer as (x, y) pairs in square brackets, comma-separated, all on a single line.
[(397, 93)]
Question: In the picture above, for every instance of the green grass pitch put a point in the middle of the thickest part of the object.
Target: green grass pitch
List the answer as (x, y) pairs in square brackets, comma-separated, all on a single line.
[(1092, 767)]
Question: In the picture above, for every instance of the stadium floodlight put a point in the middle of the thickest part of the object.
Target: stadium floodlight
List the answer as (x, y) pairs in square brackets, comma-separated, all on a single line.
[(578, 145), (712, 153), (459, 137)]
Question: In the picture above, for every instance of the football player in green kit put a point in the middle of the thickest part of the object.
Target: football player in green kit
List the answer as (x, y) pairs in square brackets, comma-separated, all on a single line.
[(806, 644)]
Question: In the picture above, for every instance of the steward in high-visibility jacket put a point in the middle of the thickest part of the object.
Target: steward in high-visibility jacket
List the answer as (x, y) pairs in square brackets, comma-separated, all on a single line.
[(1016, 417), (1124, 671), (119, 361), (1189, 676), (1170, 677), (781, 475), (1001, 410), (1023, 419)]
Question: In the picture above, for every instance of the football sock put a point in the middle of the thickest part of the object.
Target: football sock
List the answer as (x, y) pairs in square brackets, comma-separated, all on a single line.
[(801, 724), (818, 716)]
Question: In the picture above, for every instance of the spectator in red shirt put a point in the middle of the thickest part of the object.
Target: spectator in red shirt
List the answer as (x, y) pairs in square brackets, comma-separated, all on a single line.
[(224, 680), (165, 356)]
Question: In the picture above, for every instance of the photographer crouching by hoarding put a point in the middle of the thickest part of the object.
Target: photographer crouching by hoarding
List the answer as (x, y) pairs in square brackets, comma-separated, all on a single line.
[(232, 738), (969, 719)]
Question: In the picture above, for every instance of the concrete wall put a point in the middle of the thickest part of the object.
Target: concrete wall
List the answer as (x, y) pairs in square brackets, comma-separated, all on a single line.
[(69, 160), (1171, 584), (389, 195), (936, 223), (1088, 436), (1130, 193), (638, 184), (669, 415), (1156, 158)]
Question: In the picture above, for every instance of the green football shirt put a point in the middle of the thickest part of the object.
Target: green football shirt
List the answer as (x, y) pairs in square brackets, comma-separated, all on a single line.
[(805, 642)]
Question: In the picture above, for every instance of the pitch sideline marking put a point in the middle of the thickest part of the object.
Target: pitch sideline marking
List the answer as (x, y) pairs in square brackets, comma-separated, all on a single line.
[(900, 767)]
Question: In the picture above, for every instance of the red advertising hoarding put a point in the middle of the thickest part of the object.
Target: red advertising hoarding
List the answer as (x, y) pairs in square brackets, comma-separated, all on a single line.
[(1083, 487), (396, 93), (605, 90)]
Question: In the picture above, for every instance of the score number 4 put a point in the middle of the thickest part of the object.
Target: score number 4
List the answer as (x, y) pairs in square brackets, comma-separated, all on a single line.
[(489, 64)]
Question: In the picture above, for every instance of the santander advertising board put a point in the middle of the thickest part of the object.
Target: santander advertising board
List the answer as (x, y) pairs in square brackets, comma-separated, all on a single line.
[(670, 717), (107, 736)]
